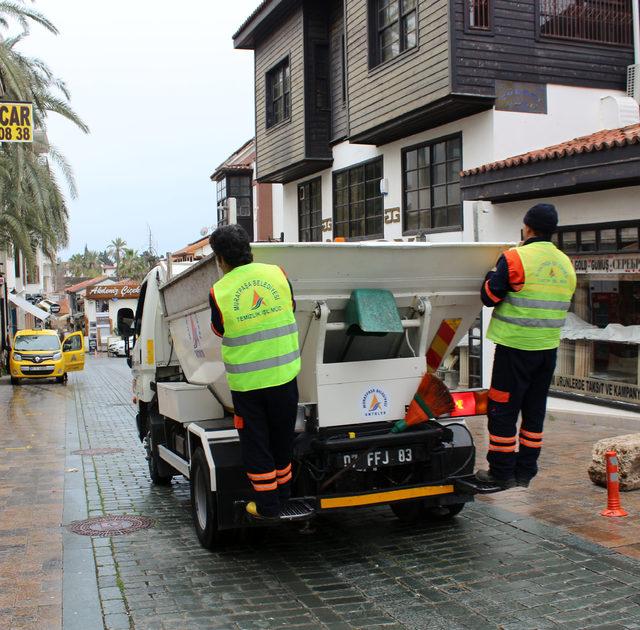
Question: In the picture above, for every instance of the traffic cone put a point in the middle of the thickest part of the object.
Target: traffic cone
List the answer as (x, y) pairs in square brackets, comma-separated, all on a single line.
[(613, 487)]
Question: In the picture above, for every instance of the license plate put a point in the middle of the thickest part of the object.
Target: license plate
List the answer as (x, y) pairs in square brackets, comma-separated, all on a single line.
[(39, 368), (379, 458)]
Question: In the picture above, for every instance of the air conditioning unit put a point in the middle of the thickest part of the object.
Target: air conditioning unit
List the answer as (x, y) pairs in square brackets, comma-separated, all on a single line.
[(633, 81)]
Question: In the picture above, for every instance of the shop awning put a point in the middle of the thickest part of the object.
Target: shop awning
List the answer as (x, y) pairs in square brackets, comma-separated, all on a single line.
[(28, 307), (577, 329)]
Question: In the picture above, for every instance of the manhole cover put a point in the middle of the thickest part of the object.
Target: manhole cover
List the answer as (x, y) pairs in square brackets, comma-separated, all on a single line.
[(106, 526), (98, 451)]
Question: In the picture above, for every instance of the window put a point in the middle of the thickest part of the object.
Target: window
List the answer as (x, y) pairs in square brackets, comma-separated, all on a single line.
[(396, 28), (431, 185), (478, 15), (599, 238), (310, 211), (599, 21), (221, 198), (278, 94), (33, 274), (357, 201)]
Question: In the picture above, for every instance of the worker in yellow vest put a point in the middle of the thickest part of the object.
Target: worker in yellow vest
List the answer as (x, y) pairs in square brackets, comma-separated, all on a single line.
[(530, 290), (252, 309)]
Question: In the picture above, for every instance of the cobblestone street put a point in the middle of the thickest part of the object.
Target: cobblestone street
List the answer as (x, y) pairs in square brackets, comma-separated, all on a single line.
[(491, 567)]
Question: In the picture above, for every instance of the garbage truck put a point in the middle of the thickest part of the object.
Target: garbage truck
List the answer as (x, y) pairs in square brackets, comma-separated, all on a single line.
[(373, 318)]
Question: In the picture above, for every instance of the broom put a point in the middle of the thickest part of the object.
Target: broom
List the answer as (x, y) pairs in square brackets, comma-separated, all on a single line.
[(432, 400)]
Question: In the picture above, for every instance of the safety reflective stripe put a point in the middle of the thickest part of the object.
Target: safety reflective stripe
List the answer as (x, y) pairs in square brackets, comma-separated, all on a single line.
[(490, 293), (265, 487), (529, 303), (264, 364), (530, 434), (503, 449), (262, 476), (262, 335), (502, 440), (285, 479), (283, 471), (531, 444), (530, 322)]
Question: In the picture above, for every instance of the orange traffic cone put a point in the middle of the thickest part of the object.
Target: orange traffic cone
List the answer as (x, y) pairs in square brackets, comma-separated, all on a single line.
[(613, 487)]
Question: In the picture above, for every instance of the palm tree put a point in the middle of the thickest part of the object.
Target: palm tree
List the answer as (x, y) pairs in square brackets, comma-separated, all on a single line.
[(116, 249), (33, 211), (133, 266)]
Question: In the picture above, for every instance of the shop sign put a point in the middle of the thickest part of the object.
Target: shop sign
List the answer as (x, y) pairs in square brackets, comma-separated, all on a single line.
[(612, 263), (114, 291), (597, 389), (16, 122)]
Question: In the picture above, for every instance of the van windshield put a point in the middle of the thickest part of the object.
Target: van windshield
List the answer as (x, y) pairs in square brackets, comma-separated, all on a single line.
[(37, 342)]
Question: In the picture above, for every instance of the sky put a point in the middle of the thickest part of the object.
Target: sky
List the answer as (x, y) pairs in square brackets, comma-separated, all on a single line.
[(167, 99)]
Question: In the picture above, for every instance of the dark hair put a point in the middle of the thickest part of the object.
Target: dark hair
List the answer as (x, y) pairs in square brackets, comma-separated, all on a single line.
[(231, 242)]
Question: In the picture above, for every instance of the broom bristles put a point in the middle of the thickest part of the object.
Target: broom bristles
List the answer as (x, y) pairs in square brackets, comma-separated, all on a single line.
[(432, 400)]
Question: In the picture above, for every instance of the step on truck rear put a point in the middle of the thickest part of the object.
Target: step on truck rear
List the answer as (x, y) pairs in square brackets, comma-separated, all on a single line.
[(372, 318)]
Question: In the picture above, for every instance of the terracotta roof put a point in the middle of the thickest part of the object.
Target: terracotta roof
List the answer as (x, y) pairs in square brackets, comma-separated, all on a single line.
[(192, 248), (599, 141), (263, 5), (84, 284)]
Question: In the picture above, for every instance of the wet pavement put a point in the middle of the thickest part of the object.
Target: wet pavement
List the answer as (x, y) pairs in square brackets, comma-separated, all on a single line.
[(511, 561)]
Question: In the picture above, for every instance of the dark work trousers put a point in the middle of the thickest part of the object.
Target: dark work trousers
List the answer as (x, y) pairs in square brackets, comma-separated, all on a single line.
[(265, 419), (519, 384)]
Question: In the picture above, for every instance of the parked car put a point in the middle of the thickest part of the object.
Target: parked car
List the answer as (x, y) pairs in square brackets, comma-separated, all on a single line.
[(117, 348), (39, 354)]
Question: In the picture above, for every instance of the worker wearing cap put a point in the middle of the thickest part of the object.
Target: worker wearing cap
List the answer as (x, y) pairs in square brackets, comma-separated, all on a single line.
[(530, 290), (252, 309)]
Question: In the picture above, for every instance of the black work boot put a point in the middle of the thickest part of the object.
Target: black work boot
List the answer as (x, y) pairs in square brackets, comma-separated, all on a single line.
[(485, 476), (523, 482)]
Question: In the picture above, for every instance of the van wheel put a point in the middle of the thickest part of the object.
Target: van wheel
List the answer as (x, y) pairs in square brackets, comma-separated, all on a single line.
[(409, 511), (156, 477), (203, 508), (61, 379), (443, 512), (15, 381)]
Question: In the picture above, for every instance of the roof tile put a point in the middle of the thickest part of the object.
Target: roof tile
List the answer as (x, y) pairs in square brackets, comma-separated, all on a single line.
[(599, 141)]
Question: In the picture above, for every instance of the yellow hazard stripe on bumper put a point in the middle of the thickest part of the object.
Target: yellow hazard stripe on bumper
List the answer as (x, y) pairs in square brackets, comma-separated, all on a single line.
[(384, 497)]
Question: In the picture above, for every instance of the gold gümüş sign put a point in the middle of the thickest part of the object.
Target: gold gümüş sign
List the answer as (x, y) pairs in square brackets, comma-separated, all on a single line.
[(111, 291), (16, 122)]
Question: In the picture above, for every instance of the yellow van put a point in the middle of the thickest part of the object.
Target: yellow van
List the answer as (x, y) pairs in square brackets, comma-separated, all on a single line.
[(38, 354)]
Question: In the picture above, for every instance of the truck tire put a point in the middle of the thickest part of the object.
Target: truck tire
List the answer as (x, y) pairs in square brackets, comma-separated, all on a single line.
[(157, 478), (443, 512), (409, 511), (203, 502)]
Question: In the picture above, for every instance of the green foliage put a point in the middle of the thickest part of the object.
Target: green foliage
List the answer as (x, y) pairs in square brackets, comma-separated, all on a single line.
[(33, 208)]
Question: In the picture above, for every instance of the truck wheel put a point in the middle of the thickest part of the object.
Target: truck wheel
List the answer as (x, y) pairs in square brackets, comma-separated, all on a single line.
[(157, 478), (443, 512), (409, 511), (203, 508)]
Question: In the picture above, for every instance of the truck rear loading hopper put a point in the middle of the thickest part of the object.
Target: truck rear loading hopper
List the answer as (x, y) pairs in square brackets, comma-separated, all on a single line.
[(372, 318)]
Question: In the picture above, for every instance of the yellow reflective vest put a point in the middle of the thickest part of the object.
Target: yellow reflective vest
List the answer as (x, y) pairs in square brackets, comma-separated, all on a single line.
[(260, 343), (543, 281)]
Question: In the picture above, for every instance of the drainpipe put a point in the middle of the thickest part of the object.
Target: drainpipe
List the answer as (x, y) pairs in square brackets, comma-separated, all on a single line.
[(635, 4)]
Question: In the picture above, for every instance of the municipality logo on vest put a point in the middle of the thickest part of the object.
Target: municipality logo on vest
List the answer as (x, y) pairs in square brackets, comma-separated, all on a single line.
[(258, 301), (374, 403)]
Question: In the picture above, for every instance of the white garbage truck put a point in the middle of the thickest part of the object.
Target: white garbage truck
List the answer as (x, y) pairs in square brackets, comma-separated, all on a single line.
[(372, 319)]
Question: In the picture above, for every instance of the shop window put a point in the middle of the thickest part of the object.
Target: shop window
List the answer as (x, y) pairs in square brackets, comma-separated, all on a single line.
[(598, 21), (598, 355), (358, 207), (394, 29), (431, 185), (278, 99), (310, 211)]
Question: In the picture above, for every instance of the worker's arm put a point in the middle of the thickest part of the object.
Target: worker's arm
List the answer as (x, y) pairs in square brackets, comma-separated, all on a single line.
[(217, 323), (496, 284)]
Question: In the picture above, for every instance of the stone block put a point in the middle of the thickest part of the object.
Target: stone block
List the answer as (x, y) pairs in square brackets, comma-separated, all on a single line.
[(628, 449)]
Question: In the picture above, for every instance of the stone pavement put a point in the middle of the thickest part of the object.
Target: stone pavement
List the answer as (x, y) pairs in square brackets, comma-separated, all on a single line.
[(489, 568)]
